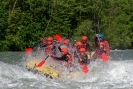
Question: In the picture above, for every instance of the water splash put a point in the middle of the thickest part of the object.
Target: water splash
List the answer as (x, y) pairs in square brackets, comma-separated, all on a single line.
[(114, 74)]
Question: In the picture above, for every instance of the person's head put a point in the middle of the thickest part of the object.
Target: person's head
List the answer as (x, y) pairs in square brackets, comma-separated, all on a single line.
[(84, 38), (64, 50), (79, 44), (101, 45), (82, 50), (101, 37), (96, 35), (66, 42), (50, 40)]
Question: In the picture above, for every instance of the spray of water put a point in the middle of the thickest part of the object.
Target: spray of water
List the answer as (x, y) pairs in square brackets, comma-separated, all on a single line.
[(110, 72), (110, 75)]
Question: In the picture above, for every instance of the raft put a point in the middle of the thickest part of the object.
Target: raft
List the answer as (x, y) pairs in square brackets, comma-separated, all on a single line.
[(46, 70)]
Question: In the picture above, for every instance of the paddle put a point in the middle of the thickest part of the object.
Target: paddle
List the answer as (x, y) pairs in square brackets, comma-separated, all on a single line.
[(85, 68), (42, 62), (58, 37), (28, 50), (104, 57)]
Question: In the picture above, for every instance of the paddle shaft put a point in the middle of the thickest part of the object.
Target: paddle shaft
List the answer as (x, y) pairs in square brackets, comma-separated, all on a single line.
[(46, 57)]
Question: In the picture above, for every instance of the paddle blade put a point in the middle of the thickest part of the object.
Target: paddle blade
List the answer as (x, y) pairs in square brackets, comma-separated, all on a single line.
[(85, 68), (104, 57), (28, 50), (58, 37), (41, 63)]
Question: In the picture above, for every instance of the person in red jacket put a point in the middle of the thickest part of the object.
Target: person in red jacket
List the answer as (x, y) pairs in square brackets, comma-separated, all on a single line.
[(65, 57), (85, 43), (99, 51), (101, 45)]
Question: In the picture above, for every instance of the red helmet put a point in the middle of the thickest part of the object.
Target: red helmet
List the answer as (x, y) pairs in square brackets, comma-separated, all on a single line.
[(84, 38), (82, 50), (50, 39), (79, 43), (64, 50), (66, 42)]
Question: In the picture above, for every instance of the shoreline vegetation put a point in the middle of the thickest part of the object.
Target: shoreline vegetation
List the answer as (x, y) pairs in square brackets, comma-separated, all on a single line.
[(23, 22)]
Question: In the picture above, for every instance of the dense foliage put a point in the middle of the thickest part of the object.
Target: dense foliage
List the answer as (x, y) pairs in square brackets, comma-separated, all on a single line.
[(23, 22)]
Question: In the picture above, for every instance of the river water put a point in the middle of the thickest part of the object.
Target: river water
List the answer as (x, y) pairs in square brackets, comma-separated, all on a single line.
[(117, 73)]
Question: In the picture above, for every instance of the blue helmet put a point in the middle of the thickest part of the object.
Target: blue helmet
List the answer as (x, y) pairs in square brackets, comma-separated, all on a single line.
[(100, 36)]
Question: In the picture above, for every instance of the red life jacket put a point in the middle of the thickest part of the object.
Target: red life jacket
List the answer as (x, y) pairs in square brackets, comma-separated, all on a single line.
[(106, 46)]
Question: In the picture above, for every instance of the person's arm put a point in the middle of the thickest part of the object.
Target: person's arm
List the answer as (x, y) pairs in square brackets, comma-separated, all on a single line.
[(64, 57), (107, 48)]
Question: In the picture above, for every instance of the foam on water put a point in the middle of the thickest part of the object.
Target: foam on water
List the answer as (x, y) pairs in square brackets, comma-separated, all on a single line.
[(17, 77), (110, 75)]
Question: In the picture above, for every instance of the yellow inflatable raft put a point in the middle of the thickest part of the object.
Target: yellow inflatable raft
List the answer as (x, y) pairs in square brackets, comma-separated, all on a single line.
[(48, 71)]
